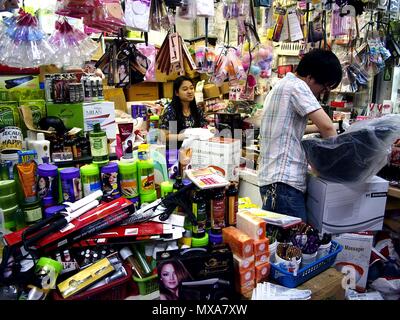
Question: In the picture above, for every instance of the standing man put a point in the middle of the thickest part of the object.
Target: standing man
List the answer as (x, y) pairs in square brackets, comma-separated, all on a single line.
[(287, 108)]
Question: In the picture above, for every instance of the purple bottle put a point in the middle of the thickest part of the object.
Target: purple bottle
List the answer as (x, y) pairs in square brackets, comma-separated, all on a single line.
[(47, 186), (71, 184), (109, 181)]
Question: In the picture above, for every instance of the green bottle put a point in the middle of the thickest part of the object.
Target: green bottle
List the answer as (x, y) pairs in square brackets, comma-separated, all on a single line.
[(98, 145), (145, 167)]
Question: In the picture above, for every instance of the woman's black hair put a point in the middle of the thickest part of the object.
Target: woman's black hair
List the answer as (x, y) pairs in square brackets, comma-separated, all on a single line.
[(322, 65), (177, 105)]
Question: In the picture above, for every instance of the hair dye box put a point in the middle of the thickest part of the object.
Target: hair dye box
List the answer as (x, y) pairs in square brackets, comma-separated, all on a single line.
[(205, 274)]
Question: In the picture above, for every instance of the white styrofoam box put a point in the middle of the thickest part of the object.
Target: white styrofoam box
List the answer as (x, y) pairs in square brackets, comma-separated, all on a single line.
[(249, 186), (354, 259), (214, 151), (337, 208), (102, 112)]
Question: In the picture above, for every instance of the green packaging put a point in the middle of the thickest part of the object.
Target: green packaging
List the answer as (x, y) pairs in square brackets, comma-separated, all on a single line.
[(90, 176), (145, 171), (38, 109), (71, 114), (9, 114)]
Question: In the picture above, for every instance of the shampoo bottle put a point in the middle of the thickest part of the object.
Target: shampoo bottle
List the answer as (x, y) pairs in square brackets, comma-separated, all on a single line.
[(42, 147)]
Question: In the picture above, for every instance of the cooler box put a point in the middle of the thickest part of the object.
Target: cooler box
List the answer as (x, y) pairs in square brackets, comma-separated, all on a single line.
[(337, 208)]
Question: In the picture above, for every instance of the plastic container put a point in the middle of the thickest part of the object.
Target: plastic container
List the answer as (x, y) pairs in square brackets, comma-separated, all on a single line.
[(145, 169), (109, 180), (166, 188), (290, 266), (8, 201), (200, 242), (128, 180), (147, 285), (199, 208), (308, 258), (50, 211), (231, 205), (47, 181), (10, 156), (71, 184), (323, 250), (9, 217), (90, 175), (215, 239), (148, 198), (289, 280), (7, 187), (42, 147), (272, 250), (98, 145), (33, 212)]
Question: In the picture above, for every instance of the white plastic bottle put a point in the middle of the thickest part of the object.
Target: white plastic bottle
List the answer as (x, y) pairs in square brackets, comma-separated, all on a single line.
[(31, 137), (42, 147)]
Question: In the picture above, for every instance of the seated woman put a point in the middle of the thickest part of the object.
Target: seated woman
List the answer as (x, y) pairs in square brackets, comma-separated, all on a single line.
[(182, 112)]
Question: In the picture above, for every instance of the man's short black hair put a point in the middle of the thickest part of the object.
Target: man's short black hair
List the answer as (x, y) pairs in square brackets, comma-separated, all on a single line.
[(323, 66)]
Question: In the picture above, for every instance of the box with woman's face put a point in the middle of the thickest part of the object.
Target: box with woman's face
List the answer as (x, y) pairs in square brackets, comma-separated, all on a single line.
[(196, 274)]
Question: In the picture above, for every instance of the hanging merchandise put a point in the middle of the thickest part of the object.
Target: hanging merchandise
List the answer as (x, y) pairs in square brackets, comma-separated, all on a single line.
[(173, 55), (295, 31), (72, 47), (107, 16), (150, 52), (158, 16), (137, 13), (205, 8), (122, 63), (187, 10), (228, 66), (75, 8), (23, 44), (262, 3)]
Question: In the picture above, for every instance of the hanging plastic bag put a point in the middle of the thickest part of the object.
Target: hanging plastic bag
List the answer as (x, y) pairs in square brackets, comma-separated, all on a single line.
[(75, 8), (205, 8), (137, 13), (149, 51), (355, 155), (187, 10)]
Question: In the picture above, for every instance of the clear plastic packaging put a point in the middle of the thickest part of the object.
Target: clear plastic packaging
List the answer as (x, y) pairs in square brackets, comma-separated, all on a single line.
[(137, 13), (72, 47), (23, 44), (355, 155)]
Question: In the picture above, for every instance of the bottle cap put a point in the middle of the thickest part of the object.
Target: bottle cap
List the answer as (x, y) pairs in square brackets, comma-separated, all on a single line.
[(149, 197), (166, 187), (96, 127), (90, 170), (44, 262), (154, 118), (40, 136), (200, 242), (215, 238), (125, 252), (110, 168), (47, 170), (69, 173), (127, 167)]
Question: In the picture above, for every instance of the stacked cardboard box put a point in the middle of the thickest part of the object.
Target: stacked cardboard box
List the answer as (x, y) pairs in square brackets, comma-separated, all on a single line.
[(220, 152)]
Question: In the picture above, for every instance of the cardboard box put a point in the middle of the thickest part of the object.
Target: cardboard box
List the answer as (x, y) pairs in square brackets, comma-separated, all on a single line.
[(337, 208), (142, 91), (117, 96), (85, 115), (211, 91), (223, 153), (168, 91), (325, 286), (354, 259)]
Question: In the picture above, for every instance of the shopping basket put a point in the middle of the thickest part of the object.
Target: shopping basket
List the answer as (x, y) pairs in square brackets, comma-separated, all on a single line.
[(289, 280), (147, 285)]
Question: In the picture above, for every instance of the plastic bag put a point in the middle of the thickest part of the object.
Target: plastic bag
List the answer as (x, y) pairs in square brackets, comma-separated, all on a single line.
[(355, 155), (137, 13)]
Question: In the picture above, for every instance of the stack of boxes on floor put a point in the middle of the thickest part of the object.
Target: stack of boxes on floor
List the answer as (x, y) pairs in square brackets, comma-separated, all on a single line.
[(250, 249)]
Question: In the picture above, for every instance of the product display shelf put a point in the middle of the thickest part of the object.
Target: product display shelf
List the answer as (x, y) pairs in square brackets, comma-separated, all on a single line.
[(80, 161)]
